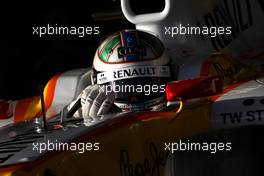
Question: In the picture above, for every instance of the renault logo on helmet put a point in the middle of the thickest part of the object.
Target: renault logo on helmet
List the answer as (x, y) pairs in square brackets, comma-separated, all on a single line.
[(139, 50)]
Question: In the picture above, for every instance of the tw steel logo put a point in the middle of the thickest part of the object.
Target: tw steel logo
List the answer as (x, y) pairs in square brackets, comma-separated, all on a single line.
[(251, 111), (139, 50)]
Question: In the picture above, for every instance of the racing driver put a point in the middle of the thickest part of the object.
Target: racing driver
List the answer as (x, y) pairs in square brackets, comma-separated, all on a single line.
[(130, 71)]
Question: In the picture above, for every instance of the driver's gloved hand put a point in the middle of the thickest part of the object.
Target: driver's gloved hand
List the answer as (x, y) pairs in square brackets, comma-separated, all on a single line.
[(94, 102)]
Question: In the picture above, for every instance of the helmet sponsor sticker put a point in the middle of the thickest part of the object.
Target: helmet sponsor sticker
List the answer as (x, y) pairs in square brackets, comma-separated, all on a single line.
[(139, 50), (133, 72)]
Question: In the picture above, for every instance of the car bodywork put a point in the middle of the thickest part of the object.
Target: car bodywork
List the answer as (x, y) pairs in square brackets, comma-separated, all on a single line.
[(134, 143)]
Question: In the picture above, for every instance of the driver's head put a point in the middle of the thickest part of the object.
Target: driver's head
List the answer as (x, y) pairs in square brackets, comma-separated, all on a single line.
[(135, 65)]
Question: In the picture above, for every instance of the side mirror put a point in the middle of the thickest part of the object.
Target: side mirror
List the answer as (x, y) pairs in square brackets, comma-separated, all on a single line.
[(6, 109), (193, 88)]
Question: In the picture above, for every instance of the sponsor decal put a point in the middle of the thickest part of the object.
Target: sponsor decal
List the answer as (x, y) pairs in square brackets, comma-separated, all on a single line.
[(139, 50), (228, 68), (133, 72), (248, 112), (151, 165), (236, 13), (253, 114)]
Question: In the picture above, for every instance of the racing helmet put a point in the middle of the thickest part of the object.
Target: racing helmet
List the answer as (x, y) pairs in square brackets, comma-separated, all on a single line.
[(136, 66)]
